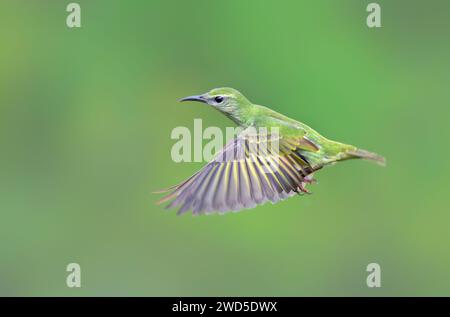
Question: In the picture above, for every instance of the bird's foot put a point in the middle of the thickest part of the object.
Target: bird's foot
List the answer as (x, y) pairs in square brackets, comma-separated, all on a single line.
[(303, 189)]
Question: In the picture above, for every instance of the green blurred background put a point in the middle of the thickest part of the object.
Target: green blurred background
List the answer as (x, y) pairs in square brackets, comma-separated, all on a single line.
[(85, 122)]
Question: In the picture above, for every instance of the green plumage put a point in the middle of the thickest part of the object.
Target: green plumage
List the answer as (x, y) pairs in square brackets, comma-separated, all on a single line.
[(252, 177)]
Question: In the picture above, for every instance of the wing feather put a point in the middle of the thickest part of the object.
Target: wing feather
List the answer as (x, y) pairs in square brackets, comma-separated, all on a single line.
[(247, 172)]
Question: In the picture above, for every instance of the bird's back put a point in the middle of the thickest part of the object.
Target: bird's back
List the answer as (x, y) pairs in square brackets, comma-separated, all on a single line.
[(322, 151)]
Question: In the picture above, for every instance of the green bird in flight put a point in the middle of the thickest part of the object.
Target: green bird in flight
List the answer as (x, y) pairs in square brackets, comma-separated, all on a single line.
[(250, 170)]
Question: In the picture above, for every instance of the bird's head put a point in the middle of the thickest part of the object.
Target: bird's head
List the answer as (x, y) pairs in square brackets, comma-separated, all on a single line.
[(227, 100)]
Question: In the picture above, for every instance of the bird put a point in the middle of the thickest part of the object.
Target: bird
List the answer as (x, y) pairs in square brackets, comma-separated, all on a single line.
[(250, 170)]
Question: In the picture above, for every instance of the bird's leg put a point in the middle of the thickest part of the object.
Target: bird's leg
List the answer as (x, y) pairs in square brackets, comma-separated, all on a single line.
[(309, 179)]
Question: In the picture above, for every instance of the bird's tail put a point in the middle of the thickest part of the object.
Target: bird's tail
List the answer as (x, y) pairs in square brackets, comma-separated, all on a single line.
[(366, 155)]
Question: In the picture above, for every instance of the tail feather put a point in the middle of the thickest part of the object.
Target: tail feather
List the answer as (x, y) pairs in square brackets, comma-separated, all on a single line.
[(366, 155)]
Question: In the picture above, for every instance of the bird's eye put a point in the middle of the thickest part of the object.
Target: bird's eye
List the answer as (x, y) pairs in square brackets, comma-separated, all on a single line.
[(218, 99)]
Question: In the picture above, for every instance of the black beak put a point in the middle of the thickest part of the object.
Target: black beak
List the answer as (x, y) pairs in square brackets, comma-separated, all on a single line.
[(199, 98)]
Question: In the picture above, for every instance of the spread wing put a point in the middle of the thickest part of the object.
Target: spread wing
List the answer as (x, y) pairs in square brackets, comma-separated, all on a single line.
[(250, 170)]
